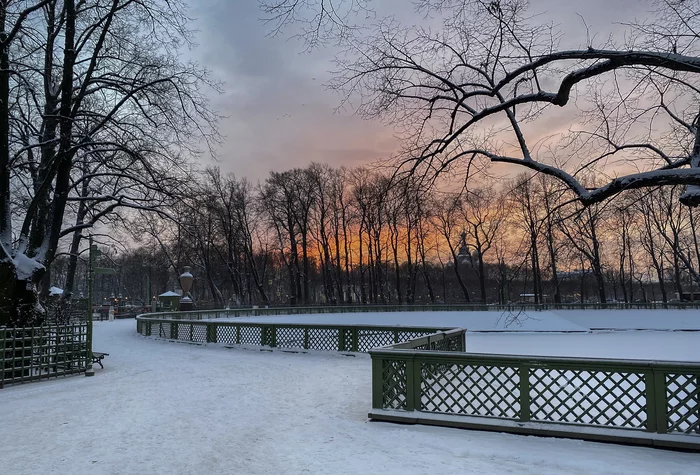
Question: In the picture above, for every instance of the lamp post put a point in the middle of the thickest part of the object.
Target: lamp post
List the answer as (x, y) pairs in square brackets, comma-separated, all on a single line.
[(186, 280), (94, 253)]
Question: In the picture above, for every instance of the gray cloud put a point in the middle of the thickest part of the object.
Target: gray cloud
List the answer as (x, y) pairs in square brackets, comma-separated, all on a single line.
[(280, 115)]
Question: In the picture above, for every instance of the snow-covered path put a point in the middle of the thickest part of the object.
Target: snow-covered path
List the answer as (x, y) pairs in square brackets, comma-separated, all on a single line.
[(161, 407)]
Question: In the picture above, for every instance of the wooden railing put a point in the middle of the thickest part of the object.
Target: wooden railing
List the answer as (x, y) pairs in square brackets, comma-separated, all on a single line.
[(350, 338), (643, 402)]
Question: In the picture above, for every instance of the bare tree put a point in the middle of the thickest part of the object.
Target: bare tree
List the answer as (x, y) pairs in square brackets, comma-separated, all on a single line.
[(318, 21), (447, 221), (552, 196), (493, 67), (653, 244), (339, 223), (96, 81), (483, 215), (279, 199), (529, 217), (582, 231)]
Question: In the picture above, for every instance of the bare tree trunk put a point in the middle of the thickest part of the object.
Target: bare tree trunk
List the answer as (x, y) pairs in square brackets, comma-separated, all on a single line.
[(598, 270), (482, 279)]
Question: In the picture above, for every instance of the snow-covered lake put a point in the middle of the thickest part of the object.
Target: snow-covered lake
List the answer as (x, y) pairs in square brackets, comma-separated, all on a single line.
[(528, 321), (163, 407)]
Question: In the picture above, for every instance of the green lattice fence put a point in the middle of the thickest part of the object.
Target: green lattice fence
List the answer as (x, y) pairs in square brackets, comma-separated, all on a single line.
[(426, 371), (623, 394), (29, 354), (350, 338)]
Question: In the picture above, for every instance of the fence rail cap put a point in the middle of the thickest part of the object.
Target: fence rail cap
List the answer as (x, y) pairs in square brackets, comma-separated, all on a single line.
[(44, 327), (532, 360), (359, 326)]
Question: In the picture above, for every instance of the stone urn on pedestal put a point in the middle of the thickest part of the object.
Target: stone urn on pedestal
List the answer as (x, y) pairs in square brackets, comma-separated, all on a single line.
[(186, 280)]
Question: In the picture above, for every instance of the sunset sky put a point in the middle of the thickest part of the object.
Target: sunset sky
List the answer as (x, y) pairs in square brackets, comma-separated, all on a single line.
[(279, 114)]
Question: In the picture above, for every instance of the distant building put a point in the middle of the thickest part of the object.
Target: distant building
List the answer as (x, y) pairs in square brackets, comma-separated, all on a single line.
[(170, 300), (463, 254)]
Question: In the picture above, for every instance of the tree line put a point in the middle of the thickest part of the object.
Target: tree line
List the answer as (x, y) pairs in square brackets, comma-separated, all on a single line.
[(337, 235), (100, 119)]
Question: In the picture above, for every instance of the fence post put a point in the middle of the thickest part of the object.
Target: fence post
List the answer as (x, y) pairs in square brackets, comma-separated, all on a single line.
[(377, 382), (238, 334), (341, 339), (173, 330), (413, 384), (211, 332), (273, 336), (650, 395), (355, 339), (660, 401), (306, 338), (524, 377)]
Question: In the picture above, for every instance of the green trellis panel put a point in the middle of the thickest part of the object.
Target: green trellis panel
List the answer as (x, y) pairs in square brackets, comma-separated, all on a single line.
[(624, 394), (35, 353), (329, 337)]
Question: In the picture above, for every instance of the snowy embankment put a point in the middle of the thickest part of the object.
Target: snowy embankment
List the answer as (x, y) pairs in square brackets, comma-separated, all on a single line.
[(668, 346), (472, 320), (162, 407), (516, 321), (671, 319)]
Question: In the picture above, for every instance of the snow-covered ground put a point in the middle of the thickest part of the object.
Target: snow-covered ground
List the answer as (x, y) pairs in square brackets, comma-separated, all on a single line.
[(528, 321), (472, 320), (162, 407), (671, 319), (669, 346)]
